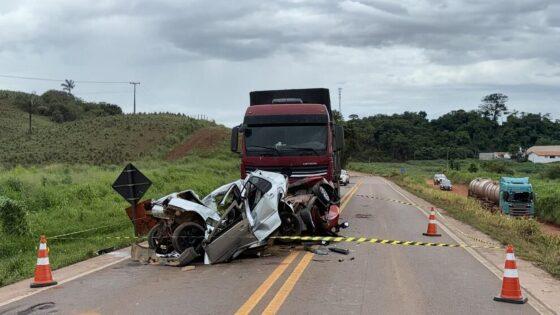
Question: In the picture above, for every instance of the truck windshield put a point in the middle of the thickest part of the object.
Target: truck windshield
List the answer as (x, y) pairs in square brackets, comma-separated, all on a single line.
[(520, 197), (286, 140)]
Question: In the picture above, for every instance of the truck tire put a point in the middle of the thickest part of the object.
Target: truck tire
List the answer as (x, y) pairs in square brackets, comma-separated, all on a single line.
[(187, 235)]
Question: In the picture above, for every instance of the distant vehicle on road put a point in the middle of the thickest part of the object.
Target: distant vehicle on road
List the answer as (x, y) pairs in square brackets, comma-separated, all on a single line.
[(445, 184), (344, 178), (438, 177)]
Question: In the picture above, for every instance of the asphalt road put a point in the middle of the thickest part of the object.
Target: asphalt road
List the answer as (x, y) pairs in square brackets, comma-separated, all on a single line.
[(373, 279)]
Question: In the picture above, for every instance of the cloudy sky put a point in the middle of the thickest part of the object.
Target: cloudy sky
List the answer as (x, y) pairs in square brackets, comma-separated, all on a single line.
[(203, 57)]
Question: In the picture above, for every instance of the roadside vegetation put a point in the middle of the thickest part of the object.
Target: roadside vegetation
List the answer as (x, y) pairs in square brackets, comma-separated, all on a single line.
[(59, 199), (525, 234), (58, 106), (97, 140), (57, 179), (458, 134)]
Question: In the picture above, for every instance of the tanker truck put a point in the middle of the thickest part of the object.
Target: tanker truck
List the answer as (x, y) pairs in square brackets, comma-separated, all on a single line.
[(513, 196)]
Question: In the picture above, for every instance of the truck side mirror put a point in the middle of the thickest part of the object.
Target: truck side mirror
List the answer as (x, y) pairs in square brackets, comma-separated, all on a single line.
[(234, 143), (338, 137)]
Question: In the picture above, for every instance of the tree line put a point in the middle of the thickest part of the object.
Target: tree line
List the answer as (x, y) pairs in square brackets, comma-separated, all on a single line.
[(458, 134), (60, 106)]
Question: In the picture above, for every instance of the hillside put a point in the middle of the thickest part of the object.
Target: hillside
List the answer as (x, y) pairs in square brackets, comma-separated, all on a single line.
[(99, 140)]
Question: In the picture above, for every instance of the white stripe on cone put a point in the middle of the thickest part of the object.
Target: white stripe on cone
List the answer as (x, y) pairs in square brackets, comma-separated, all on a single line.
[(432, 221), (510, 256), (43, 261), (511, 273), (42, 246)]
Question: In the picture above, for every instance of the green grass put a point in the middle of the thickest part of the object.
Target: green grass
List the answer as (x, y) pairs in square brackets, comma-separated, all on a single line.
[(525, 234), (99, 140), (60, 199)]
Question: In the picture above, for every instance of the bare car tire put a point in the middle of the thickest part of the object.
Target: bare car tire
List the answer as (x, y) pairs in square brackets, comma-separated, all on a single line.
[(186, 235), (157, 242)]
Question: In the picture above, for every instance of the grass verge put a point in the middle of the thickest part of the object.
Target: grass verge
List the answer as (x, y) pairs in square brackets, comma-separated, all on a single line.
[(524, 234), (59, 199)]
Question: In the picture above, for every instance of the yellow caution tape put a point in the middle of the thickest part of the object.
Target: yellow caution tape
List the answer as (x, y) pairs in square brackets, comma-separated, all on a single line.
[(416, 205), (377, 241)]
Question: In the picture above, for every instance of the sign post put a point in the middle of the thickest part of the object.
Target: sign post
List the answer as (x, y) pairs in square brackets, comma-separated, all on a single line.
[(132, 185)]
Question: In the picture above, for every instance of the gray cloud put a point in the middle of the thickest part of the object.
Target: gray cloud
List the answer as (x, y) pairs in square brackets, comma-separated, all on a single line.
[(387, 55)]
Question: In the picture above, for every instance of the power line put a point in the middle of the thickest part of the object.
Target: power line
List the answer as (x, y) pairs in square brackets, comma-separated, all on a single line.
[(61, 80)]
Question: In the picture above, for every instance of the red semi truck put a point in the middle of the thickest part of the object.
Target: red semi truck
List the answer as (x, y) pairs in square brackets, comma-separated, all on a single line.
[(293, 132)]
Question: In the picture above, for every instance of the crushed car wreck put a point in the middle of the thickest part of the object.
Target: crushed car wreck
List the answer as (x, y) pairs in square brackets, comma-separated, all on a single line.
[(316, 205), (233, 218)]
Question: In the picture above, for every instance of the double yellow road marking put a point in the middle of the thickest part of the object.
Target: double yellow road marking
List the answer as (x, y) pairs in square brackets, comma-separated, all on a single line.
[(289, 284), (255, 298)]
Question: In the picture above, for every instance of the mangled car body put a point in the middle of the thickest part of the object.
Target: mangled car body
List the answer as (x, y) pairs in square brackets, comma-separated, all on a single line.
[(231, 219), (316, 205)]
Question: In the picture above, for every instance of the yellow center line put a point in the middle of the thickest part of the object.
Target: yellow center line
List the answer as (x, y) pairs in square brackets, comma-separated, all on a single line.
[(266, 285), (288, 286)]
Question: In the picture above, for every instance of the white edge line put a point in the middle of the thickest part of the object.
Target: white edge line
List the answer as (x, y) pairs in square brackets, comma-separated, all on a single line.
[(533, 301), (63, 281)]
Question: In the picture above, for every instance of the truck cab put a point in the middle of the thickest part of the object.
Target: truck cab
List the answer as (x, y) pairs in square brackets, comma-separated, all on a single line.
[(290, 132), (516, 196)]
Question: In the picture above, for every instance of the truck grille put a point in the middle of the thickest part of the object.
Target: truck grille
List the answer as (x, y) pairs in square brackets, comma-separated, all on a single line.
[(296, 171), (519, 211)]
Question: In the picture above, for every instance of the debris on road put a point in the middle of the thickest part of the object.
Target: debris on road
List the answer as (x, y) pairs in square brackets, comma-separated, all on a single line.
[(188, 268), (342, 251), (316, 249), (363, 216)]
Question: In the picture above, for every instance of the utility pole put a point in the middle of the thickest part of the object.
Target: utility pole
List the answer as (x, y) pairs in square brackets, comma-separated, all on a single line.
[(340, 100), (31, 109), (135, 84)]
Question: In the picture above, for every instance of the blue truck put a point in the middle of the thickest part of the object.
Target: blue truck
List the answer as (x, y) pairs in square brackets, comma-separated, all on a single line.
[(513, 195)]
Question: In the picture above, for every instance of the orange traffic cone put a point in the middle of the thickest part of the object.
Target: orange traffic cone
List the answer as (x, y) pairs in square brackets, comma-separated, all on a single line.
[(432, 225), (511, 289), (43, 275)]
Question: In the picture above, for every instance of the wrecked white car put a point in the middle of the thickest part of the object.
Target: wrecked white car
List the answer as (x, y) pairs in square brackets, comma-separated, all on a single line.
[(230, 220)]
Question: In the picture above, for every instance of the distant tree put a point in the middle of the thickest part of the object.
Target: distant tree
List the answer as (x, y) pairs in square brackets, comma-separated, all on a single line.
[(493, 106), (337, 116), (68, 85), (353, 116)]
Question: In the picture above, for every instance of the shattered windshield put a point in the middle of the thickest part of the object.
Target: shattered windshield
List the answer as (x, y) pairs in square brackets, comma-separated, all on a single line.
[(286, 140)]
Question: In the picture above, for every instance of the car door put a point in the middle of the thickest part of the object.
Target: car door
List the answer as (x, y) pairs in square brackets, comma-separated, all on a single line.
[(232, 234)]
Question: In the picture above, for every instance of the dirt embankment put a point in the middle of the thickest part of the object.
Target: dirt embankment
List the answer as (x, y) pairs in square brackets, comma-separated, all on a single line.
[(205, 139), (463, 190)]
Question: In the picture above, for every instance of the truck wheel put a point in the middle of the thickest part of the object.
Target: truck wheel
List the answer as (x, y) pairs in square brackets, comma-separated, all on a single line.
[(186, 235), (158, 241)]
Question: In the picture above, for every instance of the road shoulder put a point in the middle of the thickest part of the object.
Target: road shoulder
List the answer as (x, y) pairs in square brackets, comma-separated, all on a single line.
[(20, 290), (542, 288)]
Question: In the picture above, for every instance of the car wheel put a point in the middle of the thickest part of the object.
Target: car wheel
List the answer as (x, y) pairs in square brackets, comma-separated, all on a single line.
[(186, 235), (158, 241)]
